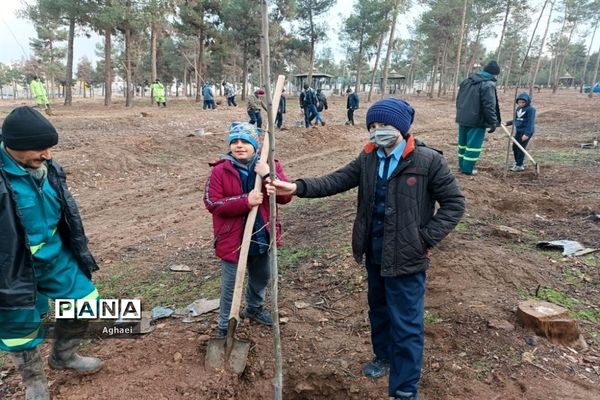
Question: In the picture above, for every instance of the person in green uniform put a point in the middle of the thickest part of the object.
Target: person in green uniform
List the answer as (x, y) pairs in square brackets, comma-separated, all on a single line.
[(157, 90), (43, 252), (39, 92)]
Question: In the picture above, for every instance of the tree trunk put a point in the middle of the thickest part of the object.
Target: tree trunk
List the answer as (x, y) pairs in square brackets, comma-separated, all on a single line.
[(360, 57), (443, 69), (311, 61), (199, 65), (391, 41), (509, 70), (376, 65), (245, 67), (559, 52), (498, 50), (434, 74), (563, 57), (539, 60), (52, 78), (69, 69), (460, 44), (153, 41), (595, 73), (128, 78), (587, 57), (107, 67)]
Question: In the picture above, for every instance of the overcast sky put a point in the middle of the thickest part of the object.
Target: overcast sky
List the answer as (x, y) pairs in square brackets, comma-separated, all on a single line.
[(15, 33)]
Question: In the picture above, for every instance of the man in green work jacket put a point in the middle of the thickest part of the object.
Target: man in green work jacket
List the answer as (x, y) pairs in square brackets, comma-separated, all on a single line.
[(43, 252)]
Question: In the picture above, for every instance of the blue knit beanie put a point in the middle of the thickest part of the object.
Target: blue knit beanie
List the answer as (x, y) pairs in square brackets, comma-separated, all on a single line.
[(391, 111), (245, 131)]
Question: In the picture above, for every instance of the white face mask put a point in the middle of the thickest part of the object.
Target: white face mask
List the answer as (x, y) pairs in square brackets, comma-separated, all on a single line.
[(384, 137)]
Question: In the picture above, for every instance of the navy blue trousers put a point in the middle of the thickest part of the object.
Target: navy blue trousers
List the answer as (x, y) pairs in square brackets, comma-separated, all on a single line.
[(519, 155), (396, 311), (310, 113)]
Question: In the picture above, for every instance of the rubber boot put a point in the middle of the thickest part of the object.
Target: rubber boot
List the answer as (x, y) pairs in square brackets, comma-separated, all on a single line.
[(30, 366), (68, 336)]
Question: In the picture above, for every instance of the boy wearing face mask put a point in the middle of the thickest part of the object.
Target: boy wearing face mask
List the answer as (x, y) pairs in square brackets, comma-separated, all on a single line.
[(399, 181)]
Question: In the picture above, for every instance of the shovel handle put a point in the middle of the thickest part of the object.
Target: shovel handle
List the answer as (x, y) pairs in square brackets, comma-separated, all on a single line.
[(234, 313), (518, 145)]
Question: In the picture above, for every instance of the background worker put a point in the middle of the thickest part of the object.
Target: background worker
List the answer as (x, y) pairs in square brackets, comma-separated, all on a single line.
[(255, 103), (38, 90), (281, 110), (45, 252), (477, 109), (351, 105), (157, 91), (308, 104)]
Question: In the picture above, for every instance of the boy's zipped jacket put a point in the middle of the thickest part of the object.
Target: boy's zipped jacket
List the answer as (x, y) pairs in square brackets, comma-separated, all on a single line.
[(17, 279), (352, 101), (226, 201), (525, 117), (308, 97), (477, 102), (412, 226)]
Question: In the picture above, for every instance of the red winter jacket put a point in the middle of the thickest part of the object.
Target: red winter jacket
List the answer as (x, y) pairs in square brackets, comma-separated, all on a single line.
[(228, 204)]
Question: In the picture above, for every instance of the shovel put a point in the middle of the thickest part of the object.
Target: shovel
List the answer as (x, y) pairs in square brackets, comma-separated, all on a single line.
[(229, 352), (537, 166)]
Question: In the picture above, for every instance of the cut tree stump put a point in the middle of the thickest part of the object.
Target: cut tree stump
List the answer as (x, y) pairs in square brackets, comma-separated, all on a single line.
[(549, 320)]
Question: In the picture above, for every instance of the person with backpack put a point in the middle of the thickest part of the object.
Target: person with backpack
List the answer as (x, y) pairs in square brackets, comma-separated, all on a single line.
[(321, 105)]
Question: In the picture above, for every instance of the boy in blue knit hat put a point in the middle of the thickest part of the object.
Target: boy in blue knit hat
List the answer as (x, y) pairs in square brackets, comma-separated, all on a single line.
[(399, 180), (229, 196)]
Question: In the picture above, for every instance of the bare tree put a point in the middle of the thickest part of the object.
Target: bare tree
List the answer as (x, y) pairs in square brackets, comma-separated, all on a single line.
[(459, 51), (539, 57), (391, 42)]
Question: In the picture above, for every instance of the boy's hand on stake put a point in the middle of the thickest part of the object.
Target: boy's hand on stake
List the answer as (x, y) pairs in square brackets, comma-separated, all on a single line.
[(262, 168), (255, 198), (278, 187)]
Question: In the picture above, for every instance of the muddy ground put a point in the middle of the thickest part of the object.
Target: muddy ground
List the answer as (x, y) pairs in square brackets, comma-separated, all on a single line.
[(139, 178)]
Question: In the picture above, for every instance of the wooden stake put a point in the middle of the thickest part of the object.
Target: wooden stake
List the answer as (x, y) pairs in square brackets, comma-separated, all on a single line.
[(272, 106)]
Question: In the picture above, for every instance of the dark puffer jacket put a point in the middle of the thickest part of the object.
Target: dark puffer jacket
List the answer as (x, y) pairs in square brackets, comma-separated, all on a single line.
[(477, 102), (17, 279), (412, 226)]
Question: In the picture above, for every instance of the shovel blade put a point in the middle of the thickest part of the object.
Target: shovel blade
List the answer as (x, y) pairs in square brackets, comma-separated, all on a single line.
[(217, 357)]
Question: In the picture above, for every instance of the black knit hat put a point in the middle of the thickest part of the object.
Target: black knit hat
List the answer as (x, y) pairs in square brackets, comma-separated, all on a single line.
[(391, 111), (26, 129), (492, 68)]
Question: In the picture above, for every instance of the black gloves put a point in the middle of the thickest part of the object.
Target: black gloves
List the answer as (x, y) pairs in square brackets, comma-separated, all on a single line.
[(509, 123), (492, 129)]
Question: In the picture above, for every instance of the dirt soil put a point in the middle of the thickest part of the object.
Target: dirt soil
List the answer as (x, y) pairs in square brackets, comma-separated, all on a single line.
[(138, 176)]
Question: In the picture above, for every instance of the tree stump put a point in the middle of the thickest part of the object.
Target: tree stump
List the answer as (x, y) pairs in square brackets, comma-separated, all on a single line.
[(549, 320)]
